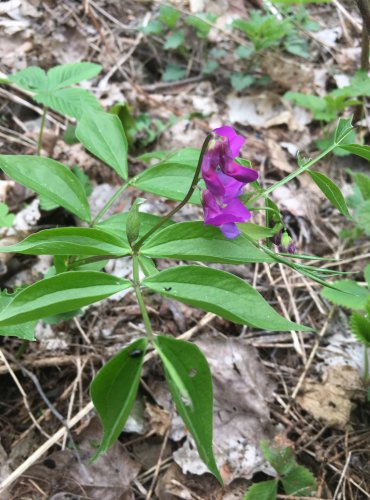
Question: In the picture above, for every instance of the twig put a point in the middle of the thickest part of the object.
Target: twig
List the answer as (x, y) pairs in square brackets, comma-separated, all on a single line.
[(44, 448), (313, 353)]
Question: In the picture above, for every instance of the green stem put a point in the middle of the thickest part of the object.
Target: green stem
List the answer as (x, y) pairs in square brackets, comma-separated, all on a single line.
[(41, 131), (366, 364), (139, 296), (109, 204), (294, 174), (189, 194)]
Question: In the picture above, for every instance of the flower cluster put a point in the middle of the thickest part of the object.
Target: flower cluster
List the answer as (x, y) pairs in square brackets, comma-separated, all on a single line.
[(225, 180)]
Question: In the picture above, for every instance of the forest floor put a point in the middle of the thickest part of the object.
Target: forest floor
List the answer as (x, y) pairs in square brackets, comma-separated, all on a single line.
[(300, 389)]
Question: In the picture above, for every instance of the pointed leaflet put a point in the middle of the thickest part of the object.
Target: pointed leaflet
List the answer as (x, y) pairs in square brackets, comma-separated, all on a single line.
[(69, 74), (266, 490), (61, 293), (330, 190), (31, 78), (197, 241), (68, 101), (189, 379), (71, 241), (348, 294), (344, 127), (114, 389), (360, 326), (102, 134), (221, 293), (357, 149), (50, 178), (25, 331), (299, 482), (171, 180), (367, 275)]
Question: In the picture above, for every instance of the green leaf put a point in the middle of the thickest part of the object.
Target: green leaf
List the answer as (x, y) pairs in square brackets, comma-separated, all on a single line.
[(58, 294), (155, 27), (299, 482), (114, 389), (49, 178), (173, 72), (68, 101), (257, 232), (357, 149), (266, 490), (168, 15), (330, 190), (221, 293), (344, 127), (280, 457), (347, 294), (171, 180), (69, 74), (363, 183), (102, 134), (25, 331), (363, 216), (31, 78), (174, 40), (117, 223), (240, 81), (367, 275), (360, 326), (6, 219), (189, 379), (147, 266), (83, 178), (210, 67), (202, 23), (81, 241), (244, 52), (197, 241)]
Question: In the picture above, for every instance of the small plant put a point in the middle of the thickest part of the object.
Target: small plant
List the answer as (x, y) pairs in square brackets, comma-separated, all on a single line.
[(295, 479), (6, 219), (349, 294), (54, 89), (359, 202), (215, 177)]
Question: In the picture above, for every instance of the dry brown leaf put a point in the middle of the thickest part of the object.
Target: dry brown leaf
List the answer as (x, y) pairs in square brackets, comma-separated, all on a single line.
[(108, 477), (333, 400), (159, 419), (266, 110), (287, 72)]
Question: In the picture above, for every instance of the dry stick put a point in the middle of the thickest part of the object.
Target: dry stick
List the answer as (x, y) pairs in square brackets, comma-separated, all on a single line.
[(80, 415), (158, 466), (313, 353), (54, 361), (21, 390), (44, 448), (364, 8), (342, 476)]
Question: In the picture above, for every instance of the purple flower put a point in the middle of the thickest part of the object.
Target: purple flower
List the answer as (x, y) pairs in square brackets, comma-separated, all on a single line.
[(225, 181)]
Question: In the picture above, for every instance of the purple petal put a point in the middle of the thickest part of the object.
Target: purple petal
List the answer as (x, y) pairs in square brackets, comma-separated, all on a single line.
[(233, 188), (211, 161), (215, 215), (230, 230), (233, 169), (235, 141)]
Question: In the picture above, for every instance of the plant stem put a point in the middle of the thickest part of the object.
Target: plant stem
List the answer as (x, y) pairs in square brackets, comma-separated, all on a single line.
[(189, 194), (139, 296), (366, 364), (109, 204), (294, 174), (41, 131)]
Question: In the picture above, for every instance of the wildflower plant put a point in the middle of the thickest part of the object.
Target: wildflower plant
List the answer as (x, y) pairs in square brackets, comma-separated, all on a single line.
[(229, 192)]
